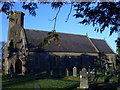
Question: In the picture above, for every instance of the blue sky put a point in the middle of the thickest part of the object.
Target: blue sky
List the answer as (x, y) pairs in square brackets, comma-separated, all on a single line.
[(42, 22)]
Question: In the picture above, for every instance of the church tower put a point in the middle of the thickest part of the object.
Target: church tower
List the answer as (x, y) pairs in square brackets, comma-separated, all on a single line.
[(16, 47), (16, 22), (16, 17)]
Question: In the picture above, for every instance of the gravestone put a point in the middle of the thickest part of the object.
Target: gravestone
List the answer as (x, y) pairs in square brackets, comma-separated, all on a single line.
[(74, 72), (51, 72), (67, 72), (83, 79)]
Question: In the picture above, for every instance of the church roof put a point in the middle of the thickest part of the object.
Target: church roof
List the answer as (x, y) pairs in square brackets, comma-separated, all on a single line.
[(102, 45), (69, 43)]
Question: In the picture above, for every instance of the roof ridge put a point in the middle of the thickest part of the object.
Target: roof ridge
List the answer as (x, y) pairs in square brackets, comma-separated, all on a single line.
[(36, 30), (57, 32), (98, 38)]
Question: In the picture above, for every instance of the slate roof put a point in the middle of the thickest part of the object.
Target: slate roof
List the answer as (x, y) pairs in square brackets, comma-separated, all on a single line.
[(69, 43), (102, 45)]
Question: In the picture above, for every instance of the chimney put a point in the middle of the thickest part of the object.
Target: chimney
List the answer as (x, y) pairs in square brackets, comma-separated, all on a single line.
[(16, 18)]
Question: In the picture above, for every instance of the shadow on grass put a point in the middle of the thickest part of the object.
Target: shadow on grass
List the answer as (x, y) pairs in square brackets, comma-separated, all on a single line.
[(7, 80), (105, 86), (107, 79), (96, 77), (29, 82)]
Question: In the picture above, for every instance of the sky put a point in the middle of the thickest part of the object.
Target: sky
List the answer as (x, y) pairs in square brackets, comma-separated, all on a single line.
[(42, 21)]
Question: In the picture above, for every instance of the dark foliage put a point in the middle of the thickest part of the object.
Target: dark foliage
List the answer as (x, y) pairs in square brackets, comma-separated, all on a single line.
[(99, 14), (52, 36), (56, 4), (118, 42), (103, 61), (31, 7), (7, 7)]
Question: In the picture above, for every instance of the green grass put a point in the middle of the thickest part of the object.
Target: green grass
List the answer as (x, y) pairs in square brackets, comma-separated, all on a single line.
[(25, 82), (107, 78), (114, 79), (29, 82), (72, 78), (98, 78), (45, 83), (50, 83), (22, 85), (6, 80)]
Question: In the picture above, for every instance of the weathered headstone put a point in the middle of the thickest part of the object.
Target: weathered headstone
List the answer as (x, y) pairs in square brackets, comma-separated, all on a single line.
[(74, 71), (51, 72), (83, 79), (67, 72)]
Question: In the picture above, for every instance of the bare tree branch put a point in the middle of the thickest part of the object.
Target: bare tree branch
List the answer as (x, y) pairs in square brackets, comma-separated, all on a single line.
[(55, 18), (69, 12)]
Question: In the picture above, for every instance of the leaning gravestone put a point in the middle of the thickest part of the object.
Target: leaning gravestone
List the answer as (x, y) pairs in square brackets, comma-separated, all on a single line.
[(74, 72), (83, 79)]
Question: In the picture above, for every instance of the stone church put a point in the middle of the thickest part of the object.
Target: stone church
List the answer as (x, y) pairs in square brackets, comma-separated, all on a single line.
[(23, 56)]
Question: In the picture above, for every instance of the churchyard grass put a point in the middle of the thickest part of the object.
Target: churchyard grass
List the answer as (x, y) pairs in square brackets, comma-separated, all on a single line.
[(98, 78), (30, 83), (51, 83), (7, 80), (72, 78), (70, 82), (105, 78)]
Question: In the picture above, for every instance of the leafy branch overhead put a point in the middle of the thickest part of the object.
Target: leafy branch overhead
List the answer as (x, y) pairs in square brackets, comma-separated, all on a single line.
[(99, 14), (52, 36)]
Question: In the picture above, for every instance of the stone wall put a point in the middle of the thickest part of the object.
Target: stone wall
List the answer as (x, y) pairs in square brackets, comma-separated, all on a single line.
[(58, 62), (111, 57), (45, 62)]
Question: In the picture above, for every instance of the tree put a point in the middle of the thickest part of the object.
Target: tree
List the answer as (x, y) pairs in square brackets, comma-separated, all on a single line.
[(103, 61), (99, 14), (118, 58)]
